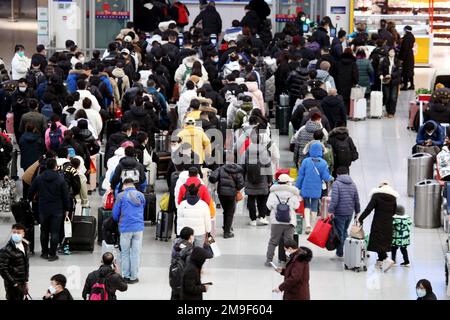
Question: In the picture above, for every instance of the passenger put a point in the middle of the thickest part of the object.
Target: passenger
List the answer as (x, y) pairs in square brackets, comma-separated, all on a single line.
[(402, 235), (128, 167), (344, 150), (334, 109), (390, 75), (57, 290), (192, 287), (430, 134), (384, 201), (365, 70), (424, 290), (182, 249), (197, 138), (406, 54)]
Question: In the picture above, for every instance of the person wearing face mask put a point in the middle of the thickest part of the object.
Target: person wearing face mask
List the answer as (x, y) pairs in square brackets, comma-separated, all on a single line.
[(430, 134), (390, 71), (424, 290), (20, 63), (182, 249), (14, 264), (210, 64), (406, 54), (57, 289), (77, 58), (296, 272)]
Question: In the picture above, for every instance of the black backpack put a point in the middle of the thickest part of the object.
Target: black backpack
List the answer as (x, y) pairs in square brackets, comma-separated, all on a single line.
[(176, 271), (283, 212), (344, 153)]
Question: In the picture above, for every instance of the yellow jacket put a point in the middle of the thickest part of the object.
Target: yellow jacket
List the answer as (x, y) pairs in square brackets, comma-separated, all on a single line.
[(199, 141)]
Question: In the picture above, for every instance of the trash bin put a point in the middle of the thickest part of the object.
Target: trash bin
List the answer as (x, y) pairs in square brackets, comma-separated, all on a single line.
[(427, 204), (420, 167)]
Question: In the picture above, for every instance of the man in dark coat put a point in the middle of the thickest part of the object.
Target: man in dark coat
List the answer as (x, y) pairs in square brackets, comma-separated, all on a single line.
[(344, 150), (191, 284), (296, 273), (384, 34), (211, 20), (384, 202), (297, 82), (129, 162), (406, 54), (347, 75), (229, 181), (251, 19), (334, 109), (53, 196), (321, 36), (137, 114), (14, 264)]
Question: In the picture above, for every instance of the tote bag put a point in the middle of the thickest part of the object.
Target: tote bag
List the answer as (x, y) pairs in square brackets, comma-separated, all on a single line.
[(321, 232)]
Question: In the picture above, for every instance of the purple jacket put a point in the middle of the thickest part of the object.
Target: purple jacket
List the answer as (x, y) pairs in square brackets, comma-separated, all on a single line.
[(344, 197)]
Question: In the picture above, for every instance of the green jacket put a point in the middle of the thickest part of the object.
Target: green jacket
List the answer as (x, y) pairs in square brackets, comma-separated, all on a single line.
[(365, 71), (242, 113), (401, 226)]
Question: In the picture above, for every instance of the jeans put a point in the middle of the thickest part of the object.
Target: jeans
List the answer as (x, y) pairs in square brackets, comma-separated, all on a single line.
[(260, 201), (342, 223), (312, 204), (130, 245), (199, 240), (404, 252), (50, 229), (390, 95), (277, 232), (228, 204)]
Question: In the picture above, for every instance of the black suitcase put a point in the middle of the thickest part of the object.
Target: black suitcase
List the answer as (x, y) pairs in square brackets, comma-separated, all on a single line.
[(83, 233), (283, 117), (162, 163), (112, 126), (14, 171), (164, 226), (103, 214), (150, 207)]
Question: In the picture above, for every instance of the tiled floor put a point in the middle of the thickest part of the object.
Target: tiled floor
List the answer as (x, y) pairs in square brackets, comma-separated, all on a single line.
[(239, 273)]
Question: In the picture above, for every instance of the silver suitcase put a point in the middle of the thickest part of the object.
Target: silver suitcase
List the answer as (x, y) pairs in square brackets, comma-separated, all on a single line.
[(355, 254)]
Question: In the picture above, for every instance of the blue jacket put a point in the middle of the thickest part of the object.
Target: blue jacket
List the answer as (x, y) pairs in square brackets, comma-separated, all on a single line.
[(128, 210), (72, 79), (105, 80), (312, 172), (437, 137), (344, 197)]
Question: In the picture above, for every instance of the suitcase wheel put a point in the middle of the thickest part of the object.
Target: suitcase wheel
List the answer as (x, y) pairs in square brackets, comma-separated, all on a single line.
[(345, 266)]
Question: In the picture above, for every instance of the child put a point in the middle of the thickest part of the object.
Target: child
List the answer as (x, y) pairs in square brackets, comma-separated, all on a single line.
[(401, 234)]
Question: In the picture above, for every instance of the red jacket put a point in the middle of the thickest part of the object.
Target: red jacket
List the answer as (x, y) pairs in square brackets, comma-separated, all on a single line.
[(202, 191), (296, 276)]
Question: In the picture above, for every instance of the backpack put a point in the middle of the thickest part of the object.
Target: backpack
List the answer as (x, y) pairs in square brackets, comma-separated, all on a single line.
[(130, 174), (343, 152), (47, 111), (98, 290), (176, 271), (186, 186), (33, 78), (55, 138), (283, 211), (313, 46), (72, 180), (183, 17)]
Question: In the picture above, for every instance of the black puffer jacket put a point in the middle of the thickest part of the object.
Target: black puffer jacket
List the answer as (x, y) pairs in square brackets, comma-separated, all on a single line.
[(347, 75), (229, 178), (218, 101), (114, 142), (251, 20), (128, 163), (146, 124), (438, 112), (336, 139), (211, 20), (191, 286), (114, 282), (297, 82), (14, 265), (321, 37), (334, 109)]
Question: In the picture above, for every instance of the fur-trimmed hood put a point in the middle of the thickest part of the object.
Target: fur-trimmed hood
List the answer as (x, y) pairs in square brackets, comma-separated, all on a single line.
[(305, 255), (285, 188), (386, 189)]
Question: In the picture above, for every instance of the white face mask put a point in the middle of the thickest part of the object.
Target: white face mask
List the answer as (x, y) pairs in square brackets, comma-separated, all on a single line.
[(421, 292), (22, 89), (287, 253), (52, 290), (215, 59), (82, 59)]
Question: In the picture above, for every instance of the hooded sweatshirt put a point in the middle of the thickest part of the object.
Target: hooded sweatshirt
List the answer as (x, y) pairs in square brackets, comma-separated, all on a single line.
[(344, 197), (325, 77), (242, 114), (128, 210)]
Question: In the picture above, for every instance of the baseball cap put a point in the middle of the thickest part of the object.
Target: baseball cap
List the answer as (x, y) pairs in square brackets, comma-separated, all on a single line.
[(284, 178), (126, 51), (189, 121)]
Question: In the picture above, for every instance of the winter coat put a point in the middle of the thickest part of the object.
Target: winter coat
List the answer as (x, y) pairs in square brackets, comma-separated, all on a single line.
[(406, 54), (325, 77), (118, 74), (31, 149), (321, 37), (242, 115), (87, 94), (347, 75), (191, 284), (127, 163), (218, 101), (141, 116), (297, 82), (336, 49), (198, 139), (47, 133), (337, 137), (19, 67), (437, 112), (14, 264), (211, 20), (184, 103), (203, 192), (304, 135), (312, 172), (95, 120), (257, 96), (114, 142), (300, 109), (384, 202), (130, 95), (74, 76), (296, 275), (344, 197), (387, 36), (324, 120), (251, 20), (128, 210), (285, 194), (443, 162), (229, 179), (52, 192), (194, 213), (182, 73), (366, 73), (401, 236), (61, 296), (114, 282), (37, 119), (327, 153), (437, 137), (396, 72), (334, 109)]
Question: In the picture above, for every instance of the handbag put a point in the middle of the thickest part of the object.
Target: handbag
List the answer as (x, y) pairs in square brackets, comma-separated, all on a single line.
[(334, 240), (239, 196), (108, 200), (321, 232), (67, 228), (357, 232)]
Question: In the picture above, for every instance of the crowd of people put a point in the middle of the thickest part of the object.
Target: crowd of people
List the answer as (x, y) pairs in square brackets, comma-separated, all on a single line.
[(157, 80)]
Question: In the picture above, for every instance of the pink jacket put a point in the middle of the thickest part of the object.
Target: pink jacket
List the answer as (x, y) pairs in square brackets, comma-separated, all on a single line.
[(47, 134), (257, 95)]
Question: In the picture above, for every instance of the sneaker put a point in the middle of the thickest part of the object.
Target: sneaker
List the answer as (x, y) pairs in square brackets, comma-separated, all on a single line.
[(133, 281), (405, 264), (262, 222), (44, 256), (252, 223), (387, 264), (268, 263), (379, 265), (228, 235), (53, 258), (66, 250), (307, 230)]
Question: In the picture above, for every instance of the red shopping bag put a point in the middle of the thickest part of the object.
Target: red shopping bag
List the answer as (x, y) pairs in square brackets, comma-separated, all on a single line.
[(301, 209), (321, 232)]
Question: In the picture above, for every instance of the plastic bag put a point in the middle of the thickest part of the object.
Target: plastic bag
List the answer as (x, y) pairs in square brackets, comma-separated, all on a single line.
[(108, 200), (67, 228)]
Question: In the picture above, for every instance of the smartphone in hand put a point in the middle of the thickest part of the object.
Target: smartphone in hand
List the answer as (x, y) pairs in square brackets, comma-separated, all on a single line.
[(207, 284)]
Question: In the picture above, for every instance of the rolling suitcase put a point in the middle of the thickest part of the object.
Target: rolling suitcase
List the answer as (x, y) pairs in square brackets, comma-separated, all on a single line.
[(376, 104), (100, 165), (355, 254), (103, 214), (164, 226), (324, 206), (83, 233), (358, 109), (14, 170), (283, 117), (150, 207)]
